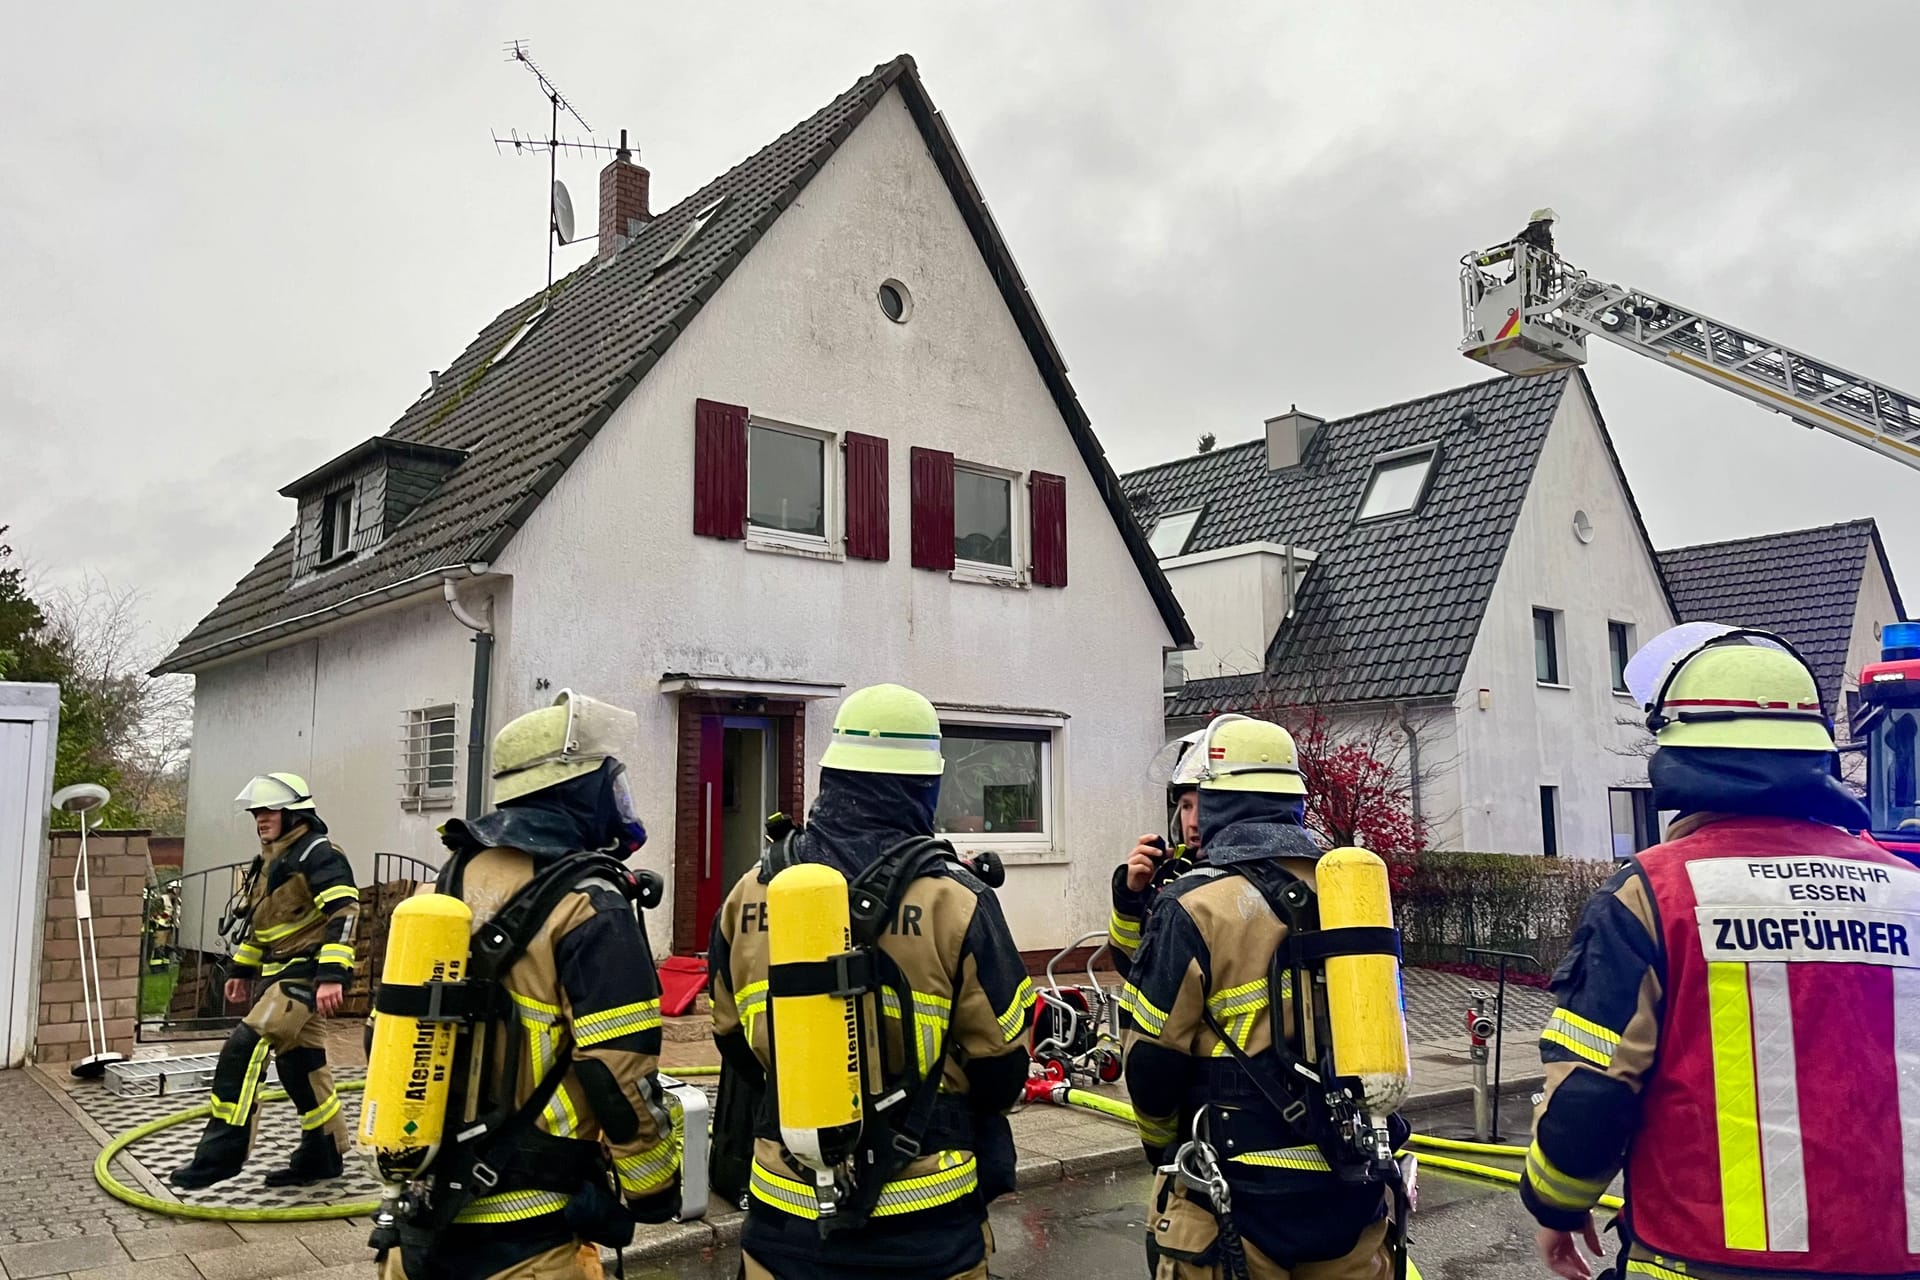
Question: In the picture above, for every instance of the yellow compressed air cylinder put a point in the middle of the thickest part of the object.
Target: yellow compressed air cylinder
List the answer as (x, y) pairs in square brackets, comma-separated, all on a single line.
[(410, 1066), (817, 1038), (1366, 1012)]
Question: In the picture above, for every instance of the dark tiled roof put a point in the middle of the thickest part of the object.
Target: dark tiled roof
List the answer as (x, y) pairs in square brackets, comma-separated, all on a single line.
[(1804, 584), (1391, 607), (522, 424)]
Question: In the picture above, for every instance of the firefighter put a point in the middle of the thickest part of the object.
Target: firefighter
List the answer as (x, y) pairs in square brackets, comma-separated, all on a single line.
[(1739, 1015), (296, 914), (958, 1028), (586, 1001), (1201, 975), (1133, 879), (1539, 230)]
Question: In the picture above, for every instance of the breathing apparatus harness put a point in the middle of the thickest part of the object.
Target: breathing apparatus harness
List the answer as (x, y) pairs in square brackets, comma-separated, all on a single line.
[(903, 1114), (1302, 1090), (491, 1144)]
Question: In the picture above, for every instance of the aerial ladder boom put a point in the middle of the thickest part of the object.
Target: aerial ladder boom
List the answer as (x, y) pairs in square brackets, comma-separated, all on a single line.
[(1526, 311)]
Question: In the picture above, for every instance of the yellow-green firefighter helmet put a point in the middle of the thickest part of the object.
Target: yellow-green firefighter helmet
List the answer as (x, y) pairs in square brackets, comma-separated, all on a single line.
[(1709, 685), (885, 728), (1242, 754), (550, 746), (275, 791)]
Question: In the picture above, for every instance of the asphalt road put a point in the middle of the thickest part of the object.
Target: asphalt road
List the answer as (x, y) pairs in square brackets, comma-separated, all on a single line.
[(1465, 1229)]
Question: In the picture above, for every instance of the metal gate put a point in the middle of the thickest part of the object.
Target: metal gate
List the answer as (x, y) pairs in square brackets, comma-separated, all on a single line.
[(185, 962)]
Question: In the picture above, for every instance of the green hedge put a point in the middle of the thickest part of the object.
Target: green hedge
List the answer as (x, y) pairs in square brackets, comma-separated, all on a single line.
[(1512, 902)]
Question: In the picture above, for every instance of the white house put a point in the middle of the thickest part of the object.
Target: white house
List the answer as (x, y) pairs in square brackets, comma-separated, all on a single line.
[(1468, 568), (803, 432)]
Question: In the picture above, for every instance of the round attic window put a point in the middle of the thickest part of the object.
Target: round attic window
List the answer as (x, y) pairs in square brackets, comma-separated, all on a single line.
[(895, 301), (1582, 526)]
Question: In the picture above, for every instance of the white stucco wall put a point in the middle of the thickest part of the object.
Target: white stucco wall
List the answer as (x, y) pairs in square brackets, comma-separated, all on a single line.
[(611, 588), (1571, 738), (329, 708), (1235, 599), (1873, 609)]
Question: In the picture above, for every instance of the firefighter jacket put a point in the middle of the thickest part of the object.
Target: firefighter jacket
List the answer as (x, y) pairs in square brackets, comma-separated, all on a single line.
[(1202, 970), (1126, 921), (586, 988), (302, 909), (971, 1002), (1738, 1025)]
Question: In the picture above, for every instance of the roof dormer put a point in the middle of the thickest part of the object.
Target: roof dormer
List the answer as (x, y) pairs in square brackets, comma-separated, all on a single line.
[(352, 503)]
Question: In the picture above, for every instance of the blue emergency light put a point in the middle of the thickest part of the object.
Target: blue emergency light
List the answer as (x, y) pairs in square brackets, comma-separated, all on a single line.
[(1900, 641)]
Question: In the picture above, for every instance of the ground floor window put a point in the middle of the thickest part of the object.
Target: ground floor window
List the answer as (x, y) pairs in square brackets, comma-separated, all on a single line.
[(1636, 822), (998, 780)]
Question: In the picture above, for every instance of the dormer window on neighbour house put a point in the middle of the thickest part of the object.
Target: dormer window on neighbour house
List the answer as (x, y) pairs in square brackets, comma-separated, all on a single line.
[(352, 503), (772, 486)]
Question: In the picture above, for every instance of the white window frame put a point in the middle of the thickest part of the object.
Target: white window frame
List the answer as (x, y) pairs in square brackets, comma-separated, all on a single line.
[(1021, 847), (1628, 628), (1557, 642), (1394, 460), (418, 791), (1192, 528), (349, 496), (780, 539), (1016, 529)]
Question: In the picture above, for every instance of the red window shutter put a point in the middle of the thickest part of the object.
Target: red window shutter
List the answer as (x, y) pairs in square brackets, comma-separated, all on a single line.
[(866, 497), (932, 509), (719, 469), (1047, 499)]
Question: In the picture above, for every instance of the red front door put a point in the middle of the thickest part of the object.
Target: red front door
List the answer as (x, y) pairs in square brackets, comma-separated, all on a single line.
[(712, 847)]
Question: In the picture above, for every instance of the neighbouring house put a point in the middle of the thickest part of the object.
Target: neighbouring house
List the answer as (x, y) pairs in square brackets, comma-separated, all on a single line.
[(802, 432), (1828, 591), (1466, 573)]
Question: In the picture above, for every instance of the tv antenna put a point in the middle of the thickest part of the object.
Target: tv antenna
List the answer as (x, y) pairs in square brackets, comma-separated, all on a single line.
[(559, 203)]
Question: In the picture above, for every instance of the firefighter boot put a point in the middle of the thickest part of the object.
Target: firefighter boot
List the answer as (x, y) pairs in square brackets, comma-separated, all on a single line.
[(316, 1159), (222, 1150)]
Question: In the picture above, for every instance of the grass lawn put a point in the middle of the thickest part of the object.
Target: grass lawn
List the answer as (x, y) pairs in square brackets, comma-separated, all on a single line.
[(156, 991)]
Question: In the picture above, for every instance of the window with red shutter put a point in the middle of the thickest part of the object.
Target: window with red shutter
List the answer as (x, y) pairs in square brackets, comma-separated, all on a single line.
[(867, 510), (932, 477), (719, 469), (1047, 502)]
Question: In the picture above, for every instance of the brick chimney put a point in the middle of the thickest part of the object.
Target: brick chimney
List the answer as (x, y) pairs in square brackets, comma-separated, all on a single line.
[(623, 200)]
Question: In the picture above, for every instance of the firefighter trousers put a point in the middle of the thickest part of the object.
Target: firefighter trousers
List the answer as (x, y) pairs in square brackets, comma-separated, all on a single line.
[(1183, 1243), (281, 1022), (570, 1261)]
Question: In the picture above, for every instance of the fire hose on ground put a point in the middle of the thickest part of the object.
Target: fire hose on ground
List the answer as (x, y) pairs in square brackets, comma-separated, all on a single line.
[(1055, 1093)]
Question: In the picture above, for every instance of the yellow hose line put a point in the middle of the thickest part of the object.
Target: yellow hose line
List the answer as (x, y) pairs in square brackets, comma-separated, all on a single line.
[(1494, 1175), (1456, 1144), (1121, 1111), (679, 1073), (103, 1174)]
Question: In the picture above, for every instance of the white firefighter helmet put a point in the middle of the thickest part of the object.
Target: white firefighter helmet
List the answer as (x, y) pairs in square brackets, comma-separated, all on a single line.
[(550, 746), (1544, 215), (274, 791)]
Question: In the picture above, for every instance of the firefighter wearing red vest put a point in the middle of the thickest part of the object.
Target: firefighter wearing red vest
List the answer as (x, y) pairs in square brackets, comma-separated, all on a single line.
[(1738, 1020)]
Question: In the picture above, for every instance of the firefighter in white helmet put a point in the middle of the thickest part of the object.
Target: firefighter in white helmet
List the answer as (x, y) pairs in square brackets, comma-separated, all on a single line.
[(1157, 859), (582, 1008), (1209, 1055), (294, 920), (952, 1013), (1740, 1008)]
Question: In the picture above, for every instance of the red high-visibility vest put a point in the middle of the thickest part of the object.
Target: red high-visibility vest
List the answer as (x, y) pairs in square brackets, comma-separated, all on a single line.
[(1781, 1127)]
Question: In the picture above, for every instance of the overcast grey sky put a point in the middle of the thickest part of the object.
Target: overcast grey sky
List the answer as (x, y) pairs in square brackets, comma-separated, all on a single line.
[(234, 238)]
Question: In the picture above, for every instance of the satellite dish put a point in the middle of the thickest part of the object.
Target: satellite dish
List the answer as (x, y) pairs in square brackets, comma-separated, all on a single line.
[(81, 797), (562, 212)]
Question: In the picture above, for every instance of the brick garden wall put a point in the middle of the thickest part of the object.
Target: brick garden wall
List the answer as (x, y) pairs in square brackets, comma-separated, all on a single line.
[(118, 865)]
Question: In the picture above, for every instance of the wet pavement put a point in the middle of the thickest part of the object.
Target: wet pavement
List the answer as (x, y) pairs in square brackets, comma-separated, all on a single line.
[(1465, 1229)]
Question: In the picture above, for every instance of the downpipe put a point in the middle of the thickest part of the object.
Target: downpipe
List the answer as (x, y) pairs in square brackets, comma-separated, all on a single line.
[(482, 684)]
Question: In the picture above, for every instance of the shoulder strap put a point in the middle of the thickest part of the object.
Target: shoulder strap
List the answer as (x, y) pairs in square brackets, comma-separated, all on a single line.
[(877, 891)]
